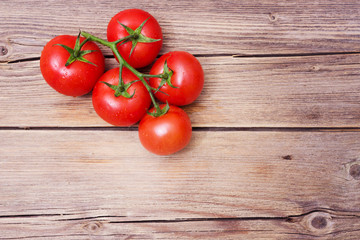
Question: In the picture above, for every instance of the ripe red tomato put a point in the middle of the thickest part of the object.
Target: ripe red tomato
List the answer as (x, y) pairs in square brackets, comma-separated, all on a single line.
[(166, 134), (120, 111), (79, 77), (188, 77), (144, 53)]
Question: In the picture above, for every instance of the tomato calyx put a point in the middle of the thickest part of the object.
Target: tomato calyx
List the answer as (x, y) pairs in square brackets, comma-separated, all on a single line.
[(166, 77), (159, 111), (135, 36), (121, 89), (76, 54)]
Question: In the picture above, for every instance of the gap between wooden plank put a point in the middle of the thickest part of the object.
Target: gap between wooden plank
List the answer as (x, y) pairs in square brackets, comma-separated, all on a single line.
[(197, 129), (226, 55)]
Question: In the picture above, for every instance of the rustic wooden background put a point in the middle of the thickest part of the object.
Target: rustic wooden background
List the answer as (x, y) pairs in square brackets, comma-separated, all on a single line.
[(275, 152)]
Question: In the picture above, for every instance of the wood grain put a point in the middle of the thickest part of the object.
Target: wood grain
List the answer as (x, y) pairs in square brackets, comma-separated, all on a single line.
[(303, 91), (200, 27), (57, 181), (275, 152)]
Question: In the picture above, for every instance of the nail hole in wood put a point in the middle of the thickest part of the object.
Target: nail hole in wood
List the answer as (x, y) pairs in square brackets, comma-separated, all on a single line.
[(272, 17), (287, 157), (315, 68)]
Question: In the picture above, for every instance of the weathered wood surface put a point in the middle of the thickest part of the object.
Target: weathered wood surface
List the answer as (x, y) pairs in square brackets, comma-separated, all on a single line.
[(275, 153), (312, 91), (201, 27), (231, 183)]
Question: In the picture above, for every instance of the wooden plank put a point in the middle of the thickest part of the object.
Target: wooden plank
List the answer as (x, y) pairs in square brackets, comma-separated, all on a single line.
[(303, 91), (220, 174), (201, 27), (316, 225), (103, 183)]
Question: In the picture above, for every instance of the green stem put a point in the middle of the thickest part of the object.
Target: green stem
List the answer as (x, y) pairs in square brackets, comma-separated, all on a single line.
[(154, 76), (81, 45), (122, 62), (120, 86), (156, 105), (96, 39), (121, 81)]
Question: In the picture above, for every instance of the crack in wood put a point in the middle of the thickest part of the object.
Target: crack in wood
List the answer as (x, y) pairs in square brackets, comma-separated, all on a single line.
[(178, 220), (94, 224), (21, 60), (44, 236), (34, 215), (340, 213), (90, 218)]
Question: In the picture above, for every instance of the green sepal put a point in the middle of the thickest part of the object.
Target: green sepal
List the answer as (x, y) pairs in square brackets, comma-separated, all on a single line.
[(127, 40), (113, 87), (77, 43), (159, 112), (158, 90), (82, 59), (69, 49), (137, 36), (84, 52), (143, 38), (168, 73), (129, 30), (70, 60)]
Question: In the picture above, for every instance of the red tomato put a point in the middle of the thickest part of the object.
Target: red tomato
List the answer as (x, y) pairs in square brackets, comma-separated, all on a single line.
[(166, 134), (120, 111), (188, 77), (76, 79), (145, 52)]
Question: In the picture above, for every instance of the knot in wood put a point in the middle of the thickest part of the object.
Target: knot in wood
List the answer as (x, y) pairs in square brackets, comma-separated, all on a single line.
[(318, 223), (3, 50), (354, 171), (92, 226)]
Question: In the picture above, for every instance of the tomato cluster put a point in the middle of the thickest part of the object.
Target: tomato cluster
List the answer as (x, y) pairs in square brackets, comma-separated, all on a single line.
[(122, 96)]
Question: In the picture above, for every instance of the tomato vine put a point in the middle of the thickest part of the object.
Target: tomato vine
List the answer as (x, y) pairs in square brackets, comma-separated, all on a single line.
[(117, 96), (124, 63)]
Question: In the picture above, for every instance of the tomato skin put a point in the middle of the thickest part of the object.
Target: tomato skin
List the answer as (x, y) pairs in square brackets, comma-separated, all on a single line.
[(188, 76), (166, 134), (120, 111), (144, 53), (76, 79)]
